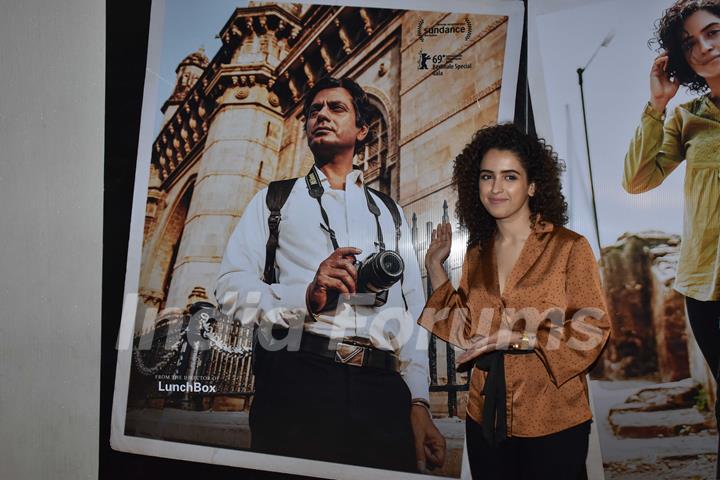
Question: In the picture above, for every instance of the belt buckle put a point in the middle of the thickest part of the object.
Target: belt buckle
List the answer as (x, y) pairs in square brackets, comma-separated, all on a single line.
[(349, 354)]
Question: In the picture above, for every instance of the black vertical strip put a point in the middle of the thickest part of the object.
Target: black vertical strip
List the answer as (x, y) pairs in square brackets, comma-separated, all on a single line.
[(126, 50), (523, 105)]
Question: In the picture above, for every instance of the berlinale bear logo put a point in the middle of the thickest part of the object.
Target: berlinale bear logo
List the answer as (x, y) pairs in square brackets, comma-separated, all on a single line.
[(422, 61)]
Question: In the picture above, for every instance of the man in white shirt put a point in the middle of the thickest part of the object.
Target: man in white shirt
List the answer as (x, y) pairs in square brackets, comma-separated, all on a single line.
[(348, 381)]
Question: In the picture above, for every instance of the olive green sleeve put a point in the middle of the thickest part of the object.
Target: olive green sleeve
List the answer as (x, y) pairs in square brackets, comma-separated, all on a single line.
[(654, 152)]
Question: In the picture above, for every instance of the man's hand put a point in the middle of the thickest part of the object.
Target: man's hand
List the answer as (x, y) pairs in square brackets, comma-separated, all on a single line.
[(336, 274), (429, 442)]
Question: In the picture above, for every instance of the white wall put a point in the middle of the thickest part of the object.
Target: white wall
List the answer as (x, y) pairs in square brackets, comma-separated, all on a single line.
[(51, 182)]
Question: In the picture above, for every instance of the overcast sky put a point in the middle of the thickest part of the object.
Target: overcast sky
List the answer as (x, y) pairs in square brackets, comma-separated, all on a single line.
[(186, 26), (616, 91)]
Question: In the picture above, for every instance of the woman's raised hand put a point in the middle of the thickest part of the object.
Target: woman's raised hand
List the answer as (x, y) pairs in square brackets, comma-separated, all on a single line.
[(662, 88), (437, 253), (440, 244)]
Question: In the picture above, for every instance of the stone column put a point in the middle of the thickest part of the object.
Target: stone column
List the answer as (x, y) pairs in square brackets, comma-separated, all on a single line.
[(668, 313), (153, 207), (240, 158)]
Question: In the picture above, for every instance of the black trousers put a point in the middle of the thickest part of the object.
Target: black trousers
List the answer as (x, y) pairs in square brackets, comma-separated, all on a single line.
[(559, 456), (704, 318), (311, 407)]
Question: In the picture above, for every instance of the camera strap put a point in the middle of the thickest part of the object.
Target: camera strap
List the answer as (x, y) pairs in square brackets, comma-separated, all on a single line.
[(316, 190)]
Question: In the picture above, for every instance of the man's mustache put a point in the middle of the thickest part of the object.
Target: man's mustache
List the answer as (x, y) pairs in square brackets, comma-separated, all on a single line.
[(326, 128)]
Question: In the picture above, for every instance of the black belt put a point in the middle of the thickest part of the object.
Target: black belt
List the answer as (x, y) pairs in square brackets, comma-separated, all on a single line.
[(494, 421), (348, 352)]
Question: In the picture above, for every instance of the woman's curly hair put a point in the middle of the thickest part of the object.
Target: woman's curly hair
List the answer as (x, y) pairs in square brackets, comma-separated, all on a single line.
[(541, 163), (668, 37)]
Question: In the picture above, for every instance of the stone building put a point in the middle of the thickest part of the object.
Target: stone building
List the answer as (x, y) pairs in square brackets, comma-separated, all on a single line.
[(234, 123)]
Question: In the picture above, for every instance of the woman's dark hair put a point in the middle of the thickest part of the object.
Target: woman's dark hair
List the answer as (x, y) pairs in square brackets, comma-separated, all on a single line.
[(669, 37), (538, 159), (361, 103)]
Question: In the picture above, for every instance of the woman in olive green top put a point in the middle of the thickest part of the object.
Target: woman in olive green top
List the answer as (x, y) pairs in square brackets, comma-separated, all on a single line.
[(689, 35)]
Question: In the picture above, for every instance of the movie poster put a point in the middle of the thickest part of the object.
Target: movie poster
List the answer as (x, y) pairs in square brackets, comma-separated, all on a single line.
[(222, 117), (652, 391)]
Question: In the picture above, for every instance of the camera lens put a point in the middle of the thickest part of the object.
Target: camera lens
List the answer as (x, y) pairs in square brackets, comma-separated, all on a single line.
[(380, 271), (391, 265)]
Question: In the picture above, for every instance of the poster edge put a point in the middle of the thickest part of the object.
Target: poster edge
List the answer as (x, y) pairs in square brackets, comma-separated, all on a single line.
[(513, 9)]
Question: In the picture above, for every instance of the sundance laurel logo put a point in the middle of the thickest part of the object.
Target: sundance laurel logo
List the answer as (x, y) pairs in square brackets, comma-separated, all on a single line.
[(460, 28)]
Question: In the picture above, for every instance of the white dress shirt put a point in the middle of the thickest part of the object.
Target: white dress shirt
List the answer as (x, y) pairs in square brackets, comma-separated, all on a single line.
[(303, 245)]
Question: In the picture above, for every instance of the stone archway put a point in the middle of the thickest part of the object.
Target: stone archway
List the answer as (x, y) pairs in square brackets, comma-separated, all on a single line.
[(162, 259), (380, 159)]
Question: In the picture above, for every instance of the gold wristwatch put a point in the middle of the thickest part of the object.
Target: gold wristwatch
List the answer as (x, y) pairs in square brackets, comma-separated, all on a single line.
[(527, 342)]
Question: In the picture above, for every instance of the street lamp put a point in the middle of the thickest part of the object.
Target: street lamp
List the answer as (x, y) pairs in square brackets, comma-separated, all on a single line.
[(606, 41)]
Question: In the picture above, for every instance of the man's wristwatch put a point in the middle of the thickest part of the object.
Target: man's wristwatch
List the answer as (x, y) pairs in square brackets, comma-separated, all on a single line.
[(421, 402)]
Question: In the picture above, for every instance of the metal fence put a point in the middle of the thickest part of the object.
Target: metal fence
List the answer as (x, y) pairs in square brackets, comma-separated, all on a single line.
[(219, 350)]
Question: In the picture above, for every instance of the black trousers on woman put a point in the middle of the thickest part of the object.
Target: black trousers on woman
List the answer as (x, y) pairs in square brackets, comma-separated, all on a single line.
[(310, 407), (559, 456), (704, 318)]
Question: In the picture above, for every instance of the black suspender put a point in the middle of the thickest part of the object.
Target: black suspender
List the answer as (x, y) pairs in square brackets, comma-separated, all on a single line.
[(277, 194)]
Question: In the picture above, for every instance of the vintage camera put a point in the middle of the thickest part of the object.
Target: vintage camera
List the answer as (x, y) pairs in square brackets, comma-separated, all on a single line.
[(380, 271)]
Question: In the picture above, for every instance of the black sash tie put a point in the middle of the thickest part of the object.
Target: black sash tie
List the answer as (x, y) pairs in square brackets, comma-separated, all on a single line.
[(494, 414), (494, 421)]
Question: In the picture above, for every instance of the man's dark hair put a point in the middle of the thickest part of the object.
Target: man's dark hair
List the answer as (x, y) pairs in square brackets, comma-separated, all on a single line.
[(361, 103), (669, 37), (541, 163)]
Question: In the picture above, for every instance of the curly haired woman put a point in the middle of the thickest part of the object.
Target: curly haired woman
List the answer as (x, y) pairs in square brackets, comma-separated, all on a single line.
[(688, 36), (529, 311)]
